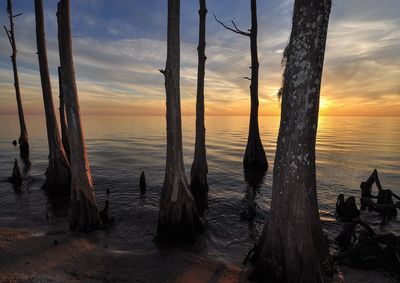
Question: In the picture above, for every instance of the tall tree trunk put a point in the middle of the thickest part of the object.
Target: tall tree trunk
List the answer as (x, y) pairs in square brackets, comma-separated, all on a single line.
[(254, 157), (199, 169), (85, 215), (23, 138), (63, 119), (58, 171), (178, 219), (292, 246)]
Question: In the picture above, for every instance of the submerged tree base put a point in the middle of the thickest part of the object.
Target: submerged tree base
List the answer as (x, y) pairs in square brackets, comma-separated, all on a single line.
[(85, 216), (16, 178), (178, 219), (255, 159), (199, 190), (58, 178)]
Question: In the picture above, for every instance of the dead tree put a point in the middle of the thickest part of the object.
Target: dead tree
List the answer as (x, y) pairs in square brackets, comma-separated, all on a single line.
[(85, 214), (292, 246), (23, 138), (254, 157), (58, 170), (199, 170), (178, 218), (63, 119)]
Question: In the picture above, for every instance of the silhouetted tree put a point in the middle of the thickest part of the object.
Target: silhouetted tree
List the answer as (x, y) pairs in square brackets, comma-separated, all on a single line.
[(58, 170), (292, 245), (23, 138), (85, 214), (199, 169), (178, 218), (63, 119), (254, 157)]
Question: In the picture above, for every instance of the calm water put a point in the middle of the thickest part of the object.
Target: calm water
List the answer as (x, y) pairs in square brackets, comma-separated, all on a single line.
[(120, 148)]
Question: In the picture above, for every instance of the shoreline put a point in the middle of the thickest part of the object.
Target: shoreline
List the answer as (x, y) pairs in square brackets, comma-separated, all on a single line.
[(29, 255)]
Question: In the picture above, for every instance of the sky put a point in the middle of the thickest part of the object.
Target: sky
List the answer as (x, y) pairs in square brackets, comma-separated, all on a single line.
[(120, 45)]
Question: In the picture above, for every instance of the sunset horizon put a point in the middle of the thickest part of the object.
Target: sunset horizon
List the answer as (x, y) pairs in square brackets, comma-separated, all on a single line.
[(117, 57)]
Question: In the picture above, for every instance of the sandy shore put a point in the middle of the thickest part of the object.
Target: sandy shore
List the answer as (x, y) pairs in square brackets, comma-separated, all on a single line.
[(35, 256), (29, 256)]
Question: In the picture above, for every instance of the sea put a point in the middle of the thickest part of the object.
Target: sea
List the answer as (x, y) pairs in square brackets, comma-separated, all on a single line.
[(120, 148)]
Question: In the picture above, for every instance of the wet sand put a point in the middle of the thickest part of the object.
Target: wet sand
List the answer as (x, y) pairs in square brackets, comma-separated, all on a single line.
[(27, 255), (30, 256)]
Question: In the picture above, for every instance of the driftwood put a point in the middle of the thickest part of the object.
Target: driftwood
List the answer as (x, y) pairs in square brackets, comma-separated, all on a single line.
[(384, 204), (16, 178), (142, 184), (377, 252), (346, 210)]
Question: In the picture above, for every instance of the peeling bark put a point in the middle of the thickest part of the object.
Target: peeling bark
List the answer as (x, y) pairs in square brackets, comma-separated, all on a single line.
[(63, 119), (178, 218), (84, 211), (23, 138), (292, 247), (58, 170), (199, 170)]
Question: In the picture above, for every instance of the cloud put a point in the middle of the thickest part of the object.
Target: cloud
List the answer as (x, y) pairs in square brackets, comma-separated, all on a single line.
[(119, 48)]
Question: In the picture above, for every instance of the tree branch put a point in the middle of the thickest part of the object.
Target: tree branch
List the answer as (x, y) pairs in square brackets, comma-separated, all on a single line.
[(8, 35), (17, 15), (235, 29)]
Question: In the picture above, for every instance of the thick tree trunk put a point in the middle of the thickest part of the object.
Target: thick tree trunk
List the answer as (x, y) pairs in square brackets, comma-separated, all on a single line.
[(178, 218), (85, 213), (254, 157), (199, 169), (292, 245), (63, 119), (58, 171), (23, 138)]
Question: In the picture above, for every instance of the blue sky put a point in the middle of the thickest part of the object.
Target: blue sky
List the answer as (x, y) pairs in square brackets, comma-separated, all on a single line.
[(119, 46)]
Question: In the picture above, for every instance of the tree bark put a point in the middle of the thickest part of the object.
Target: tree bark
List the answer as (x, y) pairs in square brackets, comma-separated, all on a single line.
[(84, 215), (63, 119), (23, 138), (58, 170), (292, 246), (199, 170), (254, 157), (178, 218)]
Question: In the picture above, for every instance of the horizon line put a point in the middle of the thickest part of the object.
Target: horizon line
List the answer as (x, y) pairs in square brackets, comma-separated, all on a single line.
[(210, 115)]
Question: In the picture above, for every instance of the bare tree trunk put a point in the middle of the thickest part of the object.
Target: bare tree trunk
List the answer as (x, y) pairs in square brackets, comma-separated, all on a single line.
[(58, 171), (254, 157), (292, 246), (85, 215), (199, 169), (63, 119), (178, 219), (23, 138)]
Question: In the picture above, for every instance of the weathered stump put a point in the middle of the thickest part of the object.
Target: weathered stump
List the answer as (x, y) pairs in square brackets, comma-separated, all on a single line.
[(16, 178), (142, 184)]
